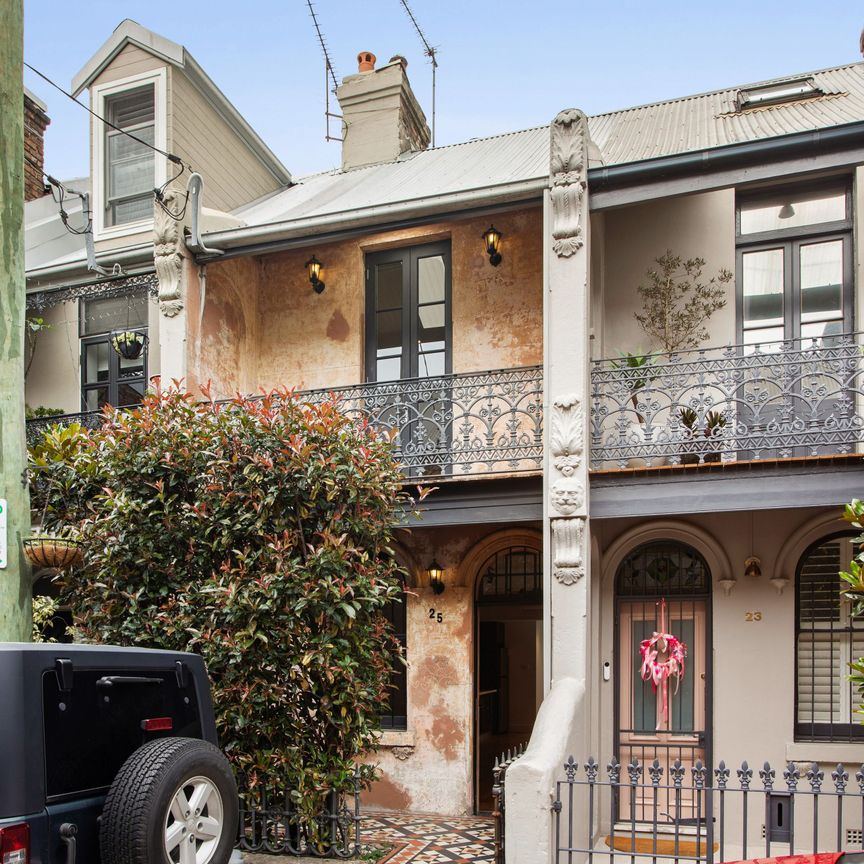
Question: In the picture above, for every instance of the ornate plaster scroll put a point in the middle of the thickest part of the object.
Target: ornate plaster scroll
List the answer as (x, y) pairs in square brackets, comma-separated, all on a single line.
[(167, 246), (568, 562), (402, 753), (566, 434), (567, 180)]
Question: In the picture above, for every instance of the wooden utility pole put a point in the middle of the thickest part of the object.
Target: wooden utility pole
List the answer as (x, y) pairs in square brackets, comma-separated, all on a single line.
[(15, 614)]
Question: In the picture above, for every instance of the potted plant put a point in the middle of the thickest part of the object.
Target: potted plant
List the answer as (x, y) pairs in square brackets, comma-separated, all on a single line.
[(128, 343), (714, 422), (636, 376), (677, 302), (56, 550)]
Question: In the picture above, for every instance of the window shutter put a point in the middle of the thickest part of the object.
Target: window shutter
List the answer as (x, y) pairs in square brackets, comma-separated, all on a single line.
[(828, 639), (130, 166)]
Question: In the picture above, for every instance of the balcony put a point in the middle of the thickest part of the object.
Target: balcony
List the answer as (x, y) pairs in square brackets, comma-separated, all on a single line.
[(452, 426), (775, 401), (443, 428)]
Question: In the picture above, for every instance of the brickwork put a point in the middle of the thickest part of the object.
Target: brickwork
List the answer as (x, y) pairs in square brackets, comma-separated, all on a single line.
[(35, 123)]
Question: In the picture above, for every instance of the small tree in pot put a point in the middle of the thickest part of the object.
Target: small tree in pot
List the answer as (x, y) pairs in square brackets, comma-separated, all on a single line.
[(677, 302)]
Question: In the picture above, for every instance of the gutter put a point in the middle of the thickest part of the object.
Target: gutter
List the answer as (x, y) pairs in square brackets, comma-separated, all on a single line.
[(62, 275), (271, 236), (239, 238), (723, 158)]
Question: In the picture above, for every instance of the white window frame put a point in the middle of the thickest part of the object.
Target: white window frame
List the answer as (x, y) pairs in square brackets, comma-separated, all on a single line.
[(99, 94)]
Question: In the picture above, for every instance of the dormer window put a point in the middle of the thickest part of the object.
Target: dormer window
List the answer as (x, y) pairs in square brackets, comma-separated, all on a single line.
[(129, 164), (126, 170)]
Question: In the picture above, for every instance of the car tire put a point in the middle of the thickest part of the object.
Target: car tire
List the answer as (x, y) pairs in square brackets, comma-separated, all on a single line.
[(170, 793)]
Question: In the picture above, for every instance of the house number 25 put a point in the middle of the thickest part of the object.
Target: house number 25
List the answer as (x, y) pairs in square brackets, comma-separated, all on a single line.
[(436, 616), (752, 616)]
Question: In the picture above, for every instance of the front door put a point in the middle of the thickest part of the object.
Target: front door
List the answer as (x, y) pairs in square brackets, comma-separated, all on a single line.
[(508, 665), (663, 615)]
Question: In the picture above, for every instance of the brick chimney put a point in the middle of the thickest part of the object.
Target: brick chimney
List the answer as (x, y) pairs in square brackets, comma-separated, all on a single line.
[(35, 122), (381, 117)]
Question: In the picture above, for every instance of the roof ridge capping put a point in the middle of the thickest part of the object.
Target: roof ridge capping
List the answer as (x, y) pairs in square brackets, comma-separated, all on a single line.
[(737, 87)]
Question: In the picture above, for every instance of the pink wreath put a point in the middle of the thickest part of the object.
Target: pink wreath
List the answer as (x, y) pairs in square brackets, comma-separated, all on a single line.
[(663, 658)]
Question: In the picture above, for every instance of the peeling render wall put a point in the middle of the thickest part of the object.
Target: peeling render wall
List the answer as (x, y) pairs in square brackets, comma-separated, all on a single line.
[(429, 767), (224, 349), (692, 226), (307, 340)]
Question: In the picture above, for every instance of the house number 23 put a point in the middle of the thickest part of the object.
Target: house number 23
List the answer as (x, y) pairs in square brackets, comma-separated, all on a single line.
[(752, 616), (436, 616)]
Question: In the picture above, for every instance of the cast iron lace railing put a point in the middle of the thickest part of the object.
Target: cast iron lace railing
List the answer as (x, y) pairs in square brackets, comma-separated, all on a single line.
[(443, 427), (455, 425), (773, 401)]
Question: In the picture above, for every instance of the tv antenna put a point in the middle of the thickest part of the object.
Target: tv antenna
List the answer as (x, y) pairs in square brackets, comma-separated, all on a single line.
[(329, 77), (430, 52)]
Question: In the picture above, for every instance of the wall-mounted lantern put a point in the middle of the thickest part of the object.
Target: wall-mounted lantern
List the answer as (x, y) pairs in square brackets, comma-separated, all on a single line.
[(752, 567), (313, 266), (492, 239), (436, 576)]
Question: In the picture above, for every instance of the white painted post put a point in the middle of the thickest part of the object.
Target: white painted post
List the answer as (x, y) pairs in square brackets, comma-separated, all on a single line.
[(169, 254), (562, 724)]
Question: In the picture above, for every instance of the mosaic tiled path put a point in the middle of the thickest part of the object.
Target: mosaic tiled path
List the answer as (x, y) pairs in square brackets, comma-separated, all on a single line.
[(431, 839)]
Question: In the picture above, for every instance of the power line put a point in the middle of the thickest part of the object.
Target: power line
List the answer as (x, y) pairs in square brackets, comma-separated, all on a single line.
[(430, 52), (169, 156), (62, 192)]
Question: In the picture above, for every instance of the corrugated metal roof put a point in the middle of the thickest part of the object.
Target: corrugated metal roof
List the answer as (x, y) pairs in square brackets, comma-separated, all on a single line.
[(649, 131), (478, 164), (47, 243), (670, 128), (712, 120)]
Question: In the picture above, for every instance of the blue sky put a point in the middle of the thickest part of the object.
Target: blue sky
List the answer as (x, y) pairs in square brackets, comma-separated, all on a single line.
[(504, 65)]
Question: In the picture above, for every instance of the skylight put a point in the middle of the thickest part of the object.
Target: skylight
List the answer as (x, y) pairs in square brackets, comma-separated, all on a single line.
[(777, 94)]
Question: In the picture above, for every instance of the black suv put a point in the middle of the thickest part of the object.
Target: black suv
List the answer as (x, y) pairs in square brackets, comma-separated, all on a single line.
[(110, 755)]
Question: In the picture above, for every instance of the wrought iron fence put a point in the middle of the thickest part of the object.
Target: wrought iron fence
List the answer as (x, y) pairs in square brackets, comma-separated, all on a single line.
[(272, 824), (775, 400), (691, 813), (499, 779), (455, 425), (452, 425), (37, 426)]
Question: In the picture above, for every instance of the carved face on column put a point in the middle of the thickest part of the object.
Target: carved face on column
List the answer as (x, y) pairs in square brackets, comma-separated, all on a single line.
[(567, 496)]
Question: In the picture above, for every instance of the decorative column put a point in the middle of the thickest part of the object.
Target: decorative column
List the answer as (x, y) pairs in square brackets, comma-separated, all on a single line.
[(170, 254), (561, 728), (566, 395)]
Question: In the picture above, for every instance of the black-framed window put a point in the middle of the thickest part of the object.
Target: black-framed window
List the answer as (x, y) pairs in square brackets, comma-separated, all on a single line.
[(794, 264), (395, 712), (408, 319), (827, 638), (106, 377)]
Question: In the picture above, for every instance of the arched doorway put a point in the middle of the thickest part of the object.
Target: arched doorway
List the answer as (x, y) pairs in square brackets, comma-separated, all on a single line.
[(508, 664), (662, 587)]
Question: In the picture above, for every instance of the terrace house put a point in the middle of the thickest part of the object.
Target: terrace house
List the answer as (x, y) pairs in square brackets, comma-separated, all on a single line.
[(475, 299)]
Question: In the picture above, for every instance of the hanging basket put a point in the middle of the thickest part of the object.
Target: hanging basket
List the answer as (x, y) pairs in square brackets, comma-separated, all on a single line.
[(56, 553), (128, 343)]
